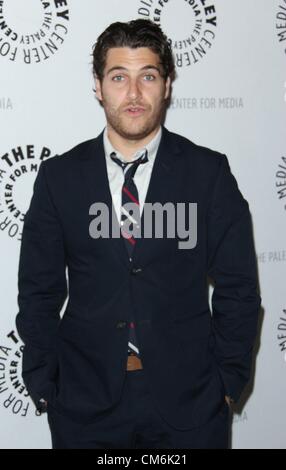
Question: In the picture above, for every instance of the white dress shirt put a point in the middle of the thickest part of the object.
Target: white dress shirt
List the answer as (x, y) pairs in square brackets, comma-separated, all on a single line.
[(142, 175)]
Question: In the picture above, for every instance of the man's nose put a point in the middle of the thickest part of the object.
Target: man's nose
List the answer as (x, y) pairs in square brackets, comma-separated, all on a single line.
[(134, 89)]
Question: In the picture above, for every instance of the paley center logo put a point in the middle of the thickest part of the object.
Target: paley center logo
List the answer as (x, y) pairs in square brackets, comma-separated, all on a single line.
[(281, 334), (189, 24), (32, 31), (18, 170), (14, 396), (281, 23), (281, 181)]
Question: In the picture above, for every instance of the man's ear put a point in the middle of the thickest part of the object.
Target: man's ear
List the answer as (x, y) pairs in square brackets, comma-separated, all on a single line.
[(98, 89), (168, 86)]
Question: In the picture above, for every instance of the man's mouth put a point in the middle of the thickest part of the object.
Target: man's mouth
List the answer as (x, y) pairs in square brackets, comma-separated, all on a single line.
[(135, 110)]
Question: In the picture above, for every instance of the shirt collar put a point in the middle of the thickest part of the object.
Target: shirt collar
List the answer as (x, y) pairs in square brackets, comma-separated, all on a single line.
[(151, 147)]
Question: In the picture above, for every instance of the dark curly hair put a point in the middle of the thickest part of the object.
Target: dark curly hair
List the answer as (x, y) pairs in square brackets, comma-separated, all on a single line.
[(133, 34)]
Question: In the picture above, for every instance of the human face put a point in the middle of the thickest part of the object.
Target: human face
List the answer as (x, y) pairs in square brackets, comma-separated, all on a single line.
[(133, 92)]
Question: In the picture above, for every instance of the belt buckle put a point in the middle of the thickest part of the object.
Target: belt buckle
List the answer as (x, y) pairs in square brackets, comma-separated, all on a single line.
[(133, 362)]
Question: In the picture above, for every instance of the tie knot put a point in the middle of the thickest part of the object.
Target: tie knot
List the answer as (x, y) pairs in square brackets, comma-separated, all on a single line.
[(130, 172)]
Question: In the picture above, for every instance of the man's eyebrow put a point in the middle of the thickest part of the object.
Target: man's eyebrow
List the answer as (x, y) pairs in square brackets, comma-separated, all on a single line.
[(146, 67)]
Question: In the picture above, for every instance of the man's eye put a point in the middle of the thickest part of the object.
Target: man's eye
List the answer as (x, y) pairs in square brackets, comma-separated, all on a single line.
[(149, 78), (118, 78)]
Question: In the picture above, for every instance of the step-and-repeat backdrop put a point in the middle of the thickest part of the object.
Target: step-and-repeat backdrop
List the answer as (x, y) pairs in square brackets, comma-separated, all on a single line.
[(230, 95)]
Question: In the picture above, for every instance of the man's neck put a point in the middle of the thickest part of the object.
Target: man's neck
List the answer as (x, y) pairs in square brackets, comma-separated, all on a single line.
[(127, 148)]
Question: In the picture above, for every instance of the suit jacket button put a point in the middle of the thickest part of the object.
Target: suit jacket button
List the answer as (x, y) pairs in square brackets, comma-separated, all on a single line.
[(121, 324), (136, 270)]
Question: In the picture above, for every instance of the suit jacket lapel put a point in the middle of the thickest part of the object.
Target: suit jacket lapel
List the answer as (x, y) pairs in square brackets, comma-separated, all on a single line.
[(95, 180), (164, 186)]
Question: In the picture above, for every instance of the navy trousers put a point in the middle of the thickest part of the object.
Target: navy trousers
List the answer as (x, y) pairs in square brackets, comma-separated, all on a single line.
[(136, 424)]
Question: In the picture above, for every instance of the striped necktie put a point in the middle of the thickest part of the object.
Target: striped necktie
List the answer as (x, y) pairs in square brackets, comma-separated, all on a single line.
[(129, 222)]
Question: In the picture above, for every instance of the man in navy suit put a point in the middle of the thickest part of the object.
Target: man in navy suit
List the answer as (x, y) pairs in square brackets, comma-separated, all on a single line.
[(138, 359)]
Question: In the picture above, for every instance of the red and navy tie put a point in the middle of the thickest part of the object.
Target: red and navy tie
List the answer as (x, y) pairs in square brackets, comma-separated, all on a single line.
[(129, 222)]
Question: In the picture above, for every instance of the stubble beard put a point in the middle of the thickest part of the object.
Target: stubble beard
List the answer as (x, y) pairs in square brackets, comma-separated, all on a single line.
[(135, 130)]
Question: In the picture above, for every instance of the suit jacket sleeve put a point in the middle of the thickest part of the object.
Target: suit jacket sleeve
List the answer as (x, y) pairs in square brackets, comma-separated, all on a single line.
[(42, 289), (233, 268)]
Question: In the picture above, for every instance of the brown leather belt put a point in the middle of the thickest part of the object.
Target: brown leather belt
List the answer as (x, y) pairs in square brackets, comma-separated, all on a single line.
[(133, 362)]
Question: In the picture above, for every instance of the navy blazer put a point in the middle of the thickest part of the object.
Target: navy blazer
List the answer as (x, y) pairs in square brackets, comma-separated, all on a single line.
[(193, 355)]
